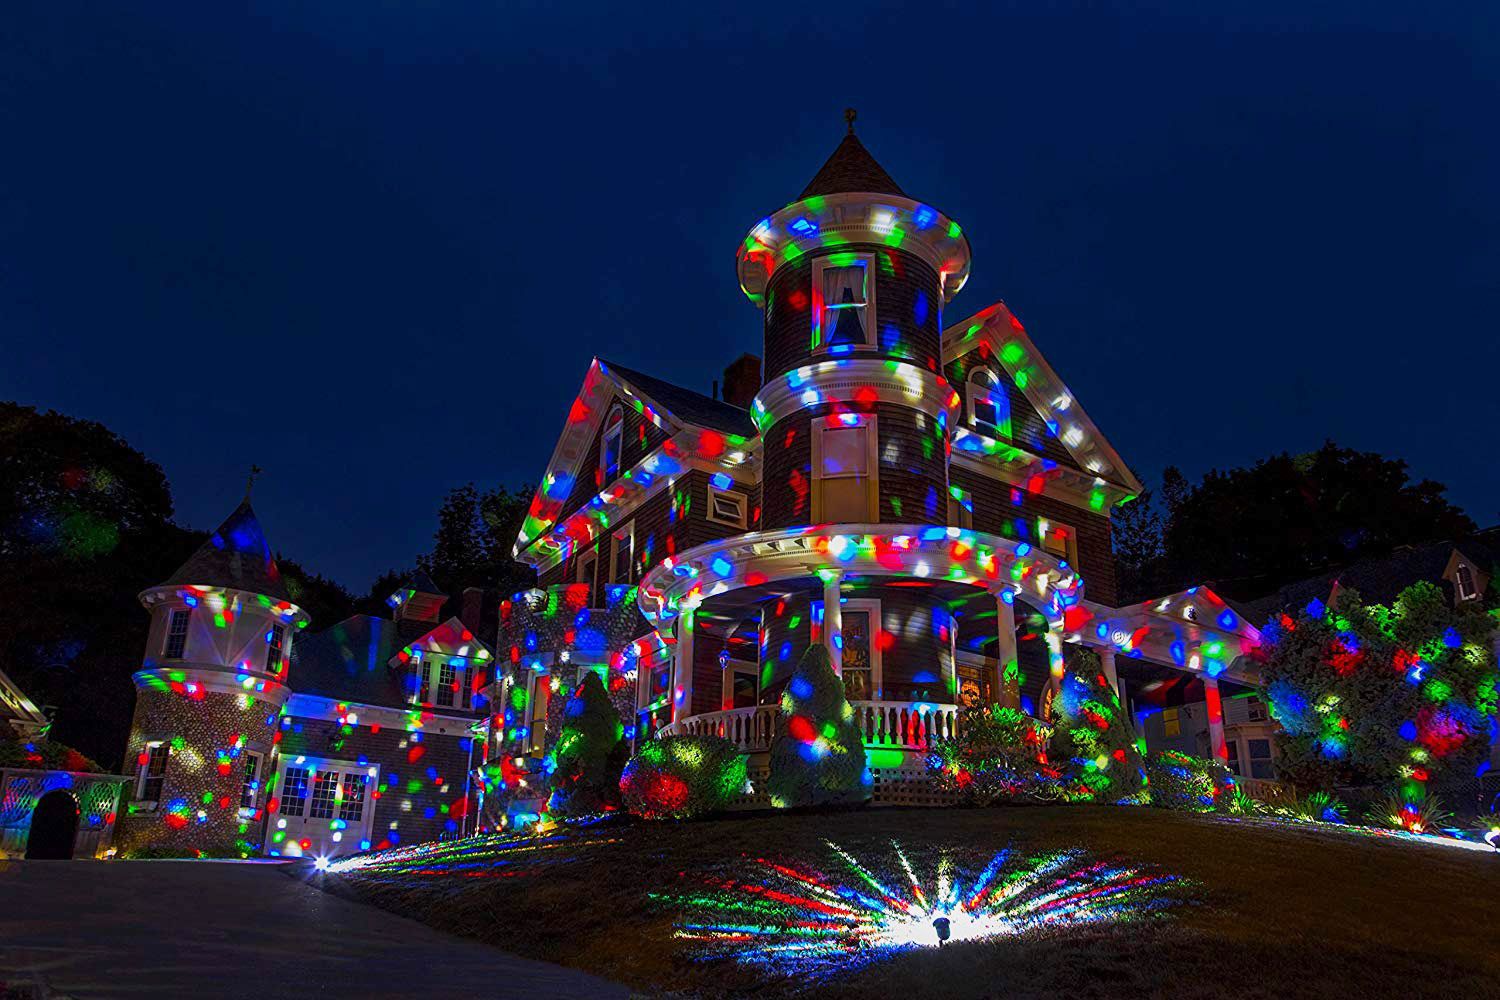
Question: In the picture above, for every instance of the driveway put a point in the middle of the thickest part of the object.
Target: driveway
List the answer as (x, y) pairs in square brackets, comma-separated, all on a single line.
[(202, 929)]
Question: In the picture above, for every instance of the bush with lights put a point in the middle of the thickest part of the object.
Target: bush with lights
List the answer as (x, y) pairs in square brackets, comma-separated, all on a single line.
[(1374, 696), (818, 756), (995, 756), (683, 777), (589, 754), (1093, 744), (1182, 781)]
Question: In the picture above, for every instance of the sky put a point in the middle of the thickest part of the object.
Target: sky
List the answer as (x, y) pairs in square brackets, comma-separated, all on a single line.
[(372, 247)]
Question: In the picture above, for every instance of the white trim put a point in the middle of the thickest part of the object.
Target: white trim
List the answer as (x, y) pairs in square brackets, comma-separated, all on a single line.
[(850, 380), (616, 429), (536, 740), (736, 497), (312, 706), (589, 556), (727, 672), (870, 425), (627, 535), (824, 262), (872, 607), (1046, 524), (994, 393), (325, 840)]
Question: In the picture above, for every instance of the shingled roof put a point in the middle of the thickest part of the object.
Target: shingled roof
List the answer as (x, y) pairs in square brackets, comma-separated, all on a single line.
[(685, 404), (851, 168), (236, 556)]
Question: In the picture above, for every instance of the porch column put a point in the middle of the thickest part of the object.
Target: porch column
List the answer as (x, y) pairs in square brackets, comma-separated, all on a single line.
[(833, 619), (1107, 661), (682, 666), (1007, 669), (1216, 743)]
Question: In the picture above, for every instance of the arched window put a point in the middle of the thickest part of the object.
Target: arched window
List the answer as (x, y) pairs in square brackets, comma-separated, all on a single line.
[(611, 446), (989, 406)]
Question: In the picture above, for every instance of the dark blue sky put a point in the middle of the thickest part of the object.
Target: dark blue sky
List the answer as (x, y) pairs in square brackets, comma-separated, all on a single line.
[(372, 247)]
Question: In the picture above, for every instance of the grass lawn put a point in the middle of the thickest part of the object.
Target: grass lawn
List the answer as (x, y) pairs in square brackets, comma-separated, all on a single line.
[(1259, 911)]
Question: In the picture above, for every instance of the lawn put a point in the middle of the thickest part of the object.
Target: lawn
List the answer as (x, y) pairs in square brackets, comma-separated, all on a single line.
[(1185, 905)]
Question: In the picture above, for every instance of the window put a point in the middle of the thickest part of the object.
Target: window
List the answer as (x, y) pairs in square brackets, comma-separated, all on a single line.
[(153, 772), (541, 693), (1171, 722), (843, 295), (588, 572), (352, 799), (275, 640), (611, 446), (743, 694), (325, 789), (726, 506), (960, 510), (293, 792), (250, 786), (447, 689), (622, 555), (1059, 540), (989, 405), (418, 679), (1256, 710), (1260, 759), (1464, 577), (859, 625), (1233, 747), (845, 481), (177, 628)]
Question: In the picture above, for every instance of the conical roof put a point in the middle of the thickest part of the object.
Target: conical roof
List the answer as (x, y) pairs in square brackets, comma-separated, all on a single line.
[(851, 168), (236, 556), (419, 582)]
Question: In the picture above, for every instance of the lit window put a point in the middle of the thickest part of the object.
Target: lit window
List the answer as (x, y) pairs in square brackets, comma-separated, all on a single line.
[(622, 555), (447, 689), (844, 466), (611, 446), (989, 406), (275, 641), (1171, 722), (842, 297), (726, 506), (1465, 578), (324, 791), (250, 785), (293, 791), (177, 629), (536, 719), (352, 803), (153, 772)]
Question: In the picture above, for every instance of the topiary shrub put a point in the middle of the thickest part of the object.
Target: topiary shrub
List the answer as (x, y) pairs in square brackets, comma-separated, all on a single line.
[(1093, 744), (818, 757), (683, 777), (589, 754), (1182, 781), (995, 756), (45, 754)]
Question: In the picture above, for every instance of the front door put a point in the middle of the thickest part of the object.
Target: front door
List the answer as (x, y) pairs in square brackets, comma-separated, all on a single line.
[(323, 808)]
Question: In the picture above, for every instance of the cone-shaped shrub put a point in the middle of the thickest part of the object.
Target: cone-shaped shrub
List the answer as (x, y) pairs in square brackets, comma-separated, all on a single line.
[(680, 777), (590, 753), (817, 757), (1181, 781), (1093, 743)]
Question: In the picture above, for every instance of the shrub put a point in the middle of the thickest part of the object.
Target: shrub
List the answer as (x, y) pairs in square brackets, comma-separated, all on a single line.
[(818, 757), (683, 777), (1093, 744), (995, 756), (1181, 781), (1411, 808), (589, 754), (44, 754)]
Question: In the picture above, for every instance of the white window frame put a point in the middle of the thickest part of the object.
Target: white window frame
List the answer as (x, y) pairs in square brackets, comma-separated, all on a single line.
[(184, 615), (308, 775), (323, 777), (1463, 593), (960, 514), (658, 658), (727, 672), (975, 387), (847, 259), (536, 738), (872, 605), (739, 499), (622, 542), (143, 774), (443, 693), (613, 428), (589, 557), (423, 673), (250, 788), (1042, 526), (277, 647), (871, 424)]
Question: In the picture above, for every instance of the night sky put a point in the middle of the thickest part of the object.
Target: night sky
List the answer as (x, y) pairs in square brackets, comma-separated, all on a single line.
[(372, 247)]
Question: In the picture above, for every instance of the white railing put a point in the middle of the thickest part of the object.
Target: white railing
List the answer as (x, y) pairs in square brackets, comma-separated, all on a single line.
[(904, 725)]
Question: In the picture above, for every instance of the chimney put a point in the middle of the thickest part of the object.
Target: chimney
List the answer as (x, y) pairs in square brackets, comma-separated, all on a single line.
[(472, 608), (742, 380)]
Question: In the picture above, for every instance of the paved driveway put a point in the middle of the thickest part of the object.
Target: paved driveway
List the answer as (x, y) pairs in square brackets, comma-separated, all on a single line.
[(197, 929)]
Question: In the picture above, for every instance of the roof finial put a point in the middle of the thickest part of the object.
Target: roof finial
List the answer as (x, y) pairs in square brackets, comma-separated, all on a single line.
[(849, 115), (255, 470)]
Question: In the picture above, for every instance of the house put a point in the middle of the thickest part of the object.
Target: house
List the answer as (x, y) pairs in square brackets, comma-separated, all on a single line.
[(250, 736), (921, 494)]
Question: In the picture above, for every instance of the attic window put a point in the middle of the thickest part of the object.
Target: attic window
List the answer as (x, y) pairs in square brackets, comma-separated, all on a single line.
[(1058, 539), (1464, 578), (726, 507), (843, 294), (989, 406), (611, 446)]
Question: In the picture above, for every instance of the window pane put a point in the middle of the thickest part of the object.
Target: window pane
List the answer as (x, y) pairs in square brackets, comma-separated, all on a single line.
[(856, 644), (844, 451), (177, 627), (250, 786), (1260, 749), (447, 692), (294, 792), (744, 690), (352, 808)]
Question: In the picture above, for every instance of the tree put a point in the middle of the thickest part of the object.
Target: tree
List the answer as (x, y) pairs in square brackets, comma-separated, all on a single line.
[(476, 532), (1093, 743), (818, 757), (588, 758), (1137, 533)]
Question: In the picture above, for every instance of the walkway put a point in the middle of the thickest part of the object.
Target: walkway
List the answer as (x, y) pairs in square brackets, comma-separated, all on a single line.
[(83, 929)]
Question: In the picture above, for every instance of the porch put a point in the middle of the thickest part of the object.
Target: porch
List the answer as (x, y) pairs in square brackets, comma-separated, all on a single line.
[(883, 725)]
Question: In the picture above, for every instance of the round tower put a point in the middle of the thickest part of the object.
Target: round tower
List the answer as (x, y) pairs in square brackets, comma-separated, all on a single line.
[(208, 697)]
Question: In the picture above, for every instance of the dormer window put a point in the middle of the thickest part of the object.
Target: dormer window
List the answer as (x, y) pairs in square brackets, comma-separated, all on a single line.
[(843, 300), (1464, 579), (612, 445), (989, 406)]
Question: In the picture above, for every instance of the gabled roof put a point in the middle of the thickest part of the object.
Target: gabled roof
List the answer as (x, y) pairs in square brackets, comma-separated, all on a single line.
[(1013, 349), (850, 169), (236, 557), (362, 659), (693, 407), (419, 582)]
